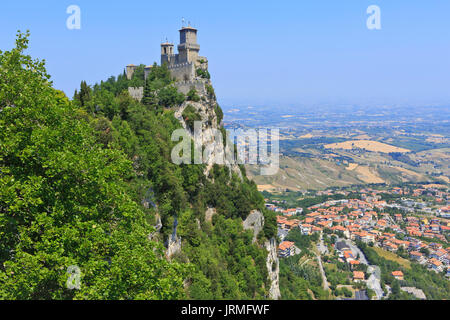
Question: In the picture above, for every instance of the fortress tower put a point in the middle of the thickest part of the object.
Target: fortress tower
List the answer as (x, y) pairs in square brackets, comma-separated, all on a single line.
[(183, 65), (188, 48), (167, 55), (131, 68), (186, 67)]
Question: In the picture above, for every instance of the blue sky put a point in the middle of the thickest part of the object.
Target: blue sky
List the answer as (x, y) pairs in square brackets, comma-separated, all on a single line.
[(260, 52)]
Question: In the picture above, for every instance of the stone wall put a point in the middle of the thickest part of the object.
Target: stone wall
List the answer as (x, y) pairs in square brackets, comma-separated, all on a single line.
[(130, 71), (183, 71), (186, 86), (170, 59), (182, 86)]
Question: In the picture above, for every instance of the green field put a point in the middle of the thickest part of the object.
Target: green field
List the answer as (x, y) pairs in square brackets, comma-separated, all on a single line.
[(393, 257)]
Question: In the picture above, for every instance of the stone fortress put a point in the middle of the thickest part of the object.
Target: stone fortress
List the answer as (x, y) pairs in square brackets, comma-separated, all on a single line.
[(183, 65)]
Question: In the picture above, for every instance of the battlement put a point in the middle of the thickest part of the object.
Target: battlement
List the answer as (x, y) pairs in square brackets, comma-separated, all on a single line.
[(179, 65), (182, 71), (186, 86), (197, 81)]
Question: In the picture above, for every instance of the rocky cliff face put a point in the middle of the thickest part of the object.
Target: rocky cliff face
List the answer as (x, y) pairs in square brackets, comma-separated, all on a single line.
[(173, 246), (214, 150), (174, 242), (210, 212), (211, 142), (273, 268), (255, 222)]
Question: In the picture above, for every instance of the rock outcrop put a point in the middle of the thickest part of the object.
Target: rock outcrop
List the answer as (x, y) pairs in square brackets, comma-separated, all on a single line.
[(173, 246), (273, 268), (255, 222), (211, 142), (174, 242), (210, 212), (214, 148)]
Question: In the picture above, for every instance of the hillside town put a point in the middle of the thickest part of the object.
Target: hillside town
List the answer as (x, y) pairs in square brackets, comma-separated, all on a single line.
[(405, 226)]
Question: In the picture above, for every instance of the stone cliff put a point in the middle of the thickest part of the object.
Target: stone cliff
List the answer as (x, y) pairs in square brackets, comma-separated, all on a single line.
[(214, 153), (211, 133), (273, 268), (255, 222)]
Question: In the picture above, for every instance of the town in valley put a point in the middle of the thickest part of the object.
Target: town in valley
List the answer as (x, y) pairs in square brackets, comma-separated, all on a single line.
[(406, 226)]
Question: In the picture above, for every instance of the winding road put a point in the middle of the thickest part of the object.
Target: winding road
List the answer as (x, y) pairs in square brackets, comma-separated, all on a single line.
[(374, 281), (322, 272), (322, 250)]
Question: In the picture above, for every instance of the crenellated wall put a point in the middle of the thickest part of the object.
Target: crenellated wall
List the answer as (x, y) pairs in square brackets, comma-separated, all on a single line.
[(183, 71), (186, 86)]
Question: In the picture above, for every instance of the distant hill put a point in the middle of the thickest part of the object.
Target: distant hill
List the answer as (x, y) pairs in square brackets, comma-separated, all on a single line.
[(368, 145), (303, 173)]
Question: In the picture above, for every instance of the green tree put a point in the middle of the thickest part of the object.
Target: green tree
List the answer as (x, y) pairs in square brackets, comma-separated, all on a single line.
[(170, 97), (64, 202), (149, 98), (193, 96)]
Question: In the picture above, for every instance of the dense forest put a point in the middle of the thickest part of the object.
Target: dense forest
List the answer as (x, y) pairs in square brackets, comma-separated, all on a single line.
[(85, 181)]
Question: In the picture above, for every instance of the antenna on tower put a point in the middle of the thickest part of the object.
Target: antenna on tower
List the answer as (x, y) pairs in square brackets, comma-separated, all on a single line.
[(183, 22)]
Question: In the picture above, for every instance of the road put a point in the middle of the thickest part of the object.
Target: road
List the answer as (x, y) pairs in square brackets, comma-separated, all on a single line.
[(361, 295), (322, 249), (356, 251), (374, 281), (322, 272)]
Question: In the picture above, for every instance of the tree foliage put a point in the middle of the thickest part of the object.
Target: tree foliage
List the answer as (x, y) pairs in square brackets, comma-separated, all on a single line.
[(64, 200), (82, 181)]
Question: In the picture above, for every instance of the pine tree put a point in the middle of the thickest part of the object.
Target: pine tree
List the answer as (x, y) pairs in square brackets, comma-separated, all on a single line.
[(149, 98), (85, 93)]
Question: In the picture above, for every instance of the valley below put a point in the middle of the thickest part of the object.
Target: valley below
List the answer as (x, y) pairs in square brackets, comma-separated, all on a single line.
[(354, 146)]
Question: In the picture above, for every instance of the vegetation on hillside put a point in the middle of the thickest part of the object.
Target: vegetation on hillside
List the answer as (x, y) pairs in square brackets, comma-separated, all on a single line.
[(300, 278), (65, 200), (83, 181)]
